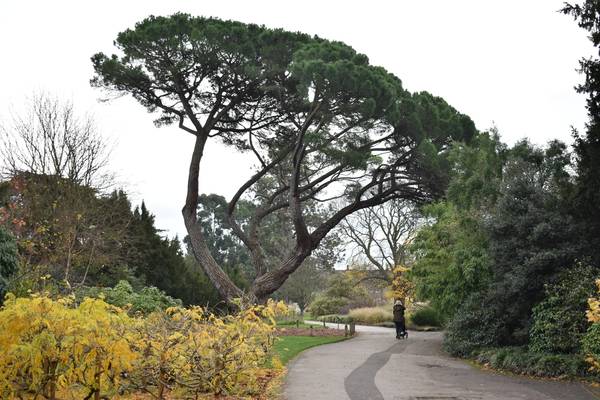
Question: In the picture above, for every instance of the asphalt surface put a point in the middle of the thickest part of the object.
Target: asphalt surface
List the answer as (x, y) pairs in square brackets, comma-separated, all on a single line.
[(376, 366)]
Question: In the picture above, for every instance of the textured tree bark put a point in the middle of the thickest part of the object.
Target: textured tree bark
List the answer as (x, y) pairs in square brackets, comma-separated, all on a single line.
[(224, 285), (264, 285)]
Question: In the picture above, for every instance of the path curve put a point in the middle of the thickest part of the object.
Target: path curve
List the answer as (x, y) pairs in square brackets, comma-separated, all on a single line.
[(376, 366)]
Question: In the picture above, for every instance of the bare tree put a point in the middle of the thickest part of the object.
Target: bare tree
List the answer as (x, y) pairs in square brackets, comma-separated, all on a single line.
[(50, 139), (381, 234)]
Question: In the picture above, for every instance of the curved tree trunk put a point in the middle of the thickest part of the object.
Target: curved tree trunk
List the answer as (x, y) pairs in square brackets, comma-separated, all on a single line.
[(264, 285), (224, 285)]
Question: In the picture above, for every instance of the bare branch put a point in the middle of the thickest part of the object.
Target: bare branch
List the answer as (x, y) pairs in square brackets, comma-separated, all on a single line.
[(49, 139)]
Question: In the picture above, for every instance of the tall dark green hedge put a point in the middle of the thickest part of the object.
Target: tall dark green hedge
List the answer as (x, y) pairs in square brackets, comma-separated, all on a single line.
[(8, 259)]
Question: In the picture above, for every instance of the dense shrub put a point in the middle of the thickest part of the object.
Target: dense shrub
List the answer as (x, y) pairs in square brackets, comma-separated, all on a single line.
[(520, 361), (93, 349), (323, 305), (591, 345), (191, 352), (483, 320), (591, 340), (531, 238), (452, 260), (474, 326), (87, 345), (145, 301), (559, 321), (370, 315), (426, 316)]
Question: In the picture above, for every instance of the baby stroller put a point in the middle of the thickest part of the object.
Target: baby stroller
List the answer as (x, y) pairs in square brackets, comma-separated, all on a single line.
[(401, 332)]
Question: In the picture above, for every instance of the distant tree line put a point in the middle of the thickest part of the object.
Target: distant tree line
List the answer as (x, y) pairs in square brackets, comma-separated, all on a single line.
[(65, 228)]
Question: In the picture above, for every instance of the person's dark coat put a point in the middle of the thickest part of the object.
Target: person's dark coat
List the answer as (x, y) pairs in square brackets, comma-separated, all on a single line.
[(399, 313)]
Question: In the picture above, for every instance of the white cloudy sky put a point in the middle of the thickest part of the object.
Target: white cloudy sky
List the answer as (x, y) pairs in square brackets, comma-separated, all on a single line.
[(508, 63)]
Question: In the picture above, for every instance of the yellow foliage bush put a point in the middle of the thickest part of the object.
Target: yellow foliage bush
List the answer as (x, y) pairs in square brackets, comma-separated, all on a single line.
[(593, 312), (50, 345), (55, 345), (402, 288)]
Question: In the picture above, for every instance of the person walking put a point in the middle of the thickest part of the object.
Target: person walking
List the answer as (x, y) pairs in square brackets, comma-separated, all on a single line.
[(399, 320)]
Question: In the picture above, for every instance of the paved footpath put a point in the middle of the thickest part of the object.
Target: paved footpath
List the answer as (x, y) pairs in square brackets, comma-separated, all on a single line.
[(376, 366)]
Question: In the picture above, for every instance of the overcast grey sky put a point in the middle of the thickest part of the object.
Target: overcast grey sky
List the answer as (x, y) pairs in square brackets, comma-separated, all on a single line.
[(508, 63)]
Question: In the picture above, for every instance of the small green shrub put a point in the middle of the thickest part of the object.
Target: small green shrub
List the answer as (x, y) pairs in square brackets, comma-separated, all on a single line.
[(426, 316), (371, 315), (552, 365), (324, 305), (521, 362), (144, 301), (496, 360), (483, 356), (475, 326), (591, 342)]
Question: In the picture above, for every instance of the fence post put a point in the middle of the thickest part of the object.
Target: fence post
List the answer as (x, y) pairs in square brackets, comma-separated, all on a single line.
[(311, 330), (345, 330), (297, 323), (352, 328)]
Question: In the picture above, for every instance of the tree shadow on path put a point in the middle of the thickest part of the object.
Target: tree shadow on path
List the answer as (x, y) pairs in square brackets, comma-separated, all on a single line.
[(360, 384)]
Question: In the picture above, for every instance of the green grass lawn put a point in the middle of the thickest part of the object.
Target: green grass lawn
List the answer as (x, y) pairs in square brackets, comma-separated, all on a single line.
[(287, 347)]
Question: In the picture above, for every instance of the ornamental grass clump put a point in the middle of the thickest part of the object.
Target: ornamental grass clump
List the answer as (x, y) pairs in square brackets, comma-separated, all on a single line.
[(371, 315)]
